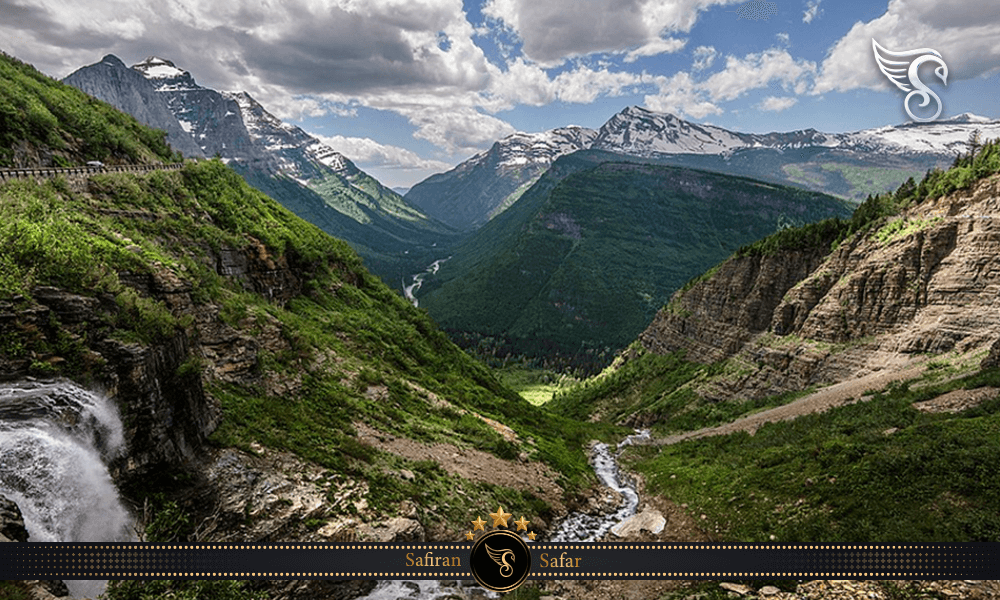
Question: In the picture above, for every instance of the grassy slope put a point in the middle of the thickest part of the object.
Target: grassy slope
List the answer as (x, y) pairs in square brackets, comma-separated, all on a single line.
[(344, 335), (835, 476), (56, 237), (39, 112), (389, 245), (585, 261)]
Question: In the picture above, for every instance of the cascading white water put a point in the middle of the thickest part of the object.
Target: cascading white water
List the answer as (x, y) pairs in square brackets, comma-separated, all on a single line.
[(55, 441), (581, 527), (576, 527)]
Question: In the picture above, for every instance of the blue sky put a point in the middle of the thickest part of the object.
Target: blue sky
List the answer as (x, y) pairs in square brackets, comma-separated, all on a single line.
[(408, 88)]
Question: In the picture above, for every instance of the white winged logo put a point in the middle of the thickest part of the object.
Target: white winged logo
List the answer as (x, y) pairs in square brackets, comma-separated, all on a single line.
[(902, 68)]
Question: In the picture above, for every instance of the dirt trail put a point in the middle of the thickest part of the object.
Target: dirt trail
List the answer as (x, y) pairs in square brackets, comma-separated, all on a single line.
[(835, 395)]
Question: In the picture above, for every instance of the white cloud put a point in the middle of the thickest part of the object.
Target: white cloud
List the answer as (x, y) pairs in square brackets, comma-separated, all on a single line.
[(704, 57), (774, 68), (555, 30), (777, 104), (758, 70), (783, 38), (681, 95), (369, 153), (657, 46), (527, 83), (966, 34), (812, 11), (584, 85), (457, 129)]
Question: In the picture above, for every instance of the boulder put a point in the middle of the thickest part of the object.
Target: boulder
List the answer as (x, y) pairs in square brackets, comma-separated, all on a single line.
[(11, 522), (650, 520)]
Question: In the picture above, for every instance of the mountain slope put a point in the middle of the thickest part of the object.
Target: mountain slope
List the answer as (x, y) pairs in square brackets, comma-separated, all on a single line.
[(486, 184), (257, 364), (895, 311), (850, 165), (282, 160), (583, 262), (44, 124)]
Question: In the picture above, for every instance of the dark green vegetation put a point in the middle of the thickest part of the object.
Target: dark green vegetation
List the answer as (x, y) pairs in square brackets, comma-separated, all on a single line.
[(39, 115), (876, 471), (655, 389), (394, 239), (344, 335), (829, 170), (182, 589), (13, 590), (582, 262), (983, 161)]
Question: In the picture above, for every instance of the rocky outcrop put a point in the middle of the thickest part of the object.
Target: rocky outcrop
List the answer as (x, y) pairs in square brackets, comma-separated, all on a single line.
[(992, 359), (927, 281), (167, 411), (12, 530), (718, 316), (130, 92), (11, 522)]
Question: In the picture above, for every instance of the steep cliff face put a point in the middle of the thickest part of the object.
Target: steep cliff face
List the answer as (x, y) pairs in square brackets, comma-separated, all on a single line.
[(925, 281), (130, 92)]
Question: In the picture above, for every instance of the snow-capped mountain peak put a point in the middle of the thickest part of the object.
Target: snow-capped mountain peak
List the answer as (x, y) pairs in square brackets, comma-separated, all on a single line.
[(166, 76), (155, 67), (966, 117), (641, 132)]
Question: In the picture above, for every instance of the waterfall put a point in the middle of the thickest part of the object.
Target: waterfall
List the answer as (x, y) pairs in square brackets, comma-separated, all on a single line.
[(55, 441)]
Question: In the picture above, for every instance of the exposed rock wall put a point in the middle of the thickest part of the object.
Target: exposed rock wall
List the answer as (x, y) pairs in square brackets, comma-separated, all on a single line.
[(11, 522), (927, 284), (718, 316), (167, 412)]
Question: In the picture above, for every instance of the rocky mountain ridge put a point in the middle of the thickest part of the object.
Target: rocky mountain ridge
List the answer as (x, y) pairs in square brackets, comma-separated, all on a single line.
[(925, 282), (315, 181), (132, 93), (850, 165), (641, 132), (489, 182)]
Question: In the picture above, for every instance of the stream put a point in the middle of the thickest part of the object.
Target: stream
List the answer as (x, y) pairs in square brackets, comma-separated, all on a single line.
[(576, 527), (418, 280), (55, 441)]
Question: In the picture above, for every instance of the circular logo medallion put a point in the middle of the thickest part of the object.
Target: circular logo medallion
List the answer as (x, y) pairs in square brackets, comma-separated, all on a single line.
[(500, 561)]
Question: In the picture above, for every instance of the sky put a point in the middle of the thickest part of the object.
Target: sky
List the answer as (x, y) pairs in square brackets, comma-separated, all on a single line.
[(409, 88)]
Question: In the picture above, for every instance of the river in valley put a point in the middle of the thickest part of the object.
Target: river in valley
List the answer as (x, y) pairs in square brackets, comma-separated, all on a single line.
[(56, 439), (418, 280), (576, 527)]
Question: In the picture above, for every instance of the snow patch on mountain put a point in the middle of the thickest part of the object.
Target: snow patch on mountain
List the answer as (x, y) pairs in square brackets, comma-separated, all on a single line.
[(641, 132), (158, 68), (944, 137)]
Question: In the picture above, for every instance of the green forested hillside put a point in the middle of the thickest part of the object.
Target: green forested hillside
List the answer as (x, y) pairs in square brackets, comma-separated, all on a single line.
[(581, 263), (46, 123), (271, 320), (896, 463)]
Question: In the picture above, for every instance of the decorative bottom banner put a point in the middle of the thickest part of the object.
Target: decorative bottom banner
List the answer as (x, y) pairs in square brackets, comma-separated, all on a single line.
[(499, 560)]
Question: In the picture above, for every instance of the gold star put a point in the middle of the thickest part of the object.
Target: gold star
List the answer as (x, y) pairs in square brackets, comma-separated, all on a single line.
[(522, 524), (500, 517), (531, 535), (477, 525), (469, 536)]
